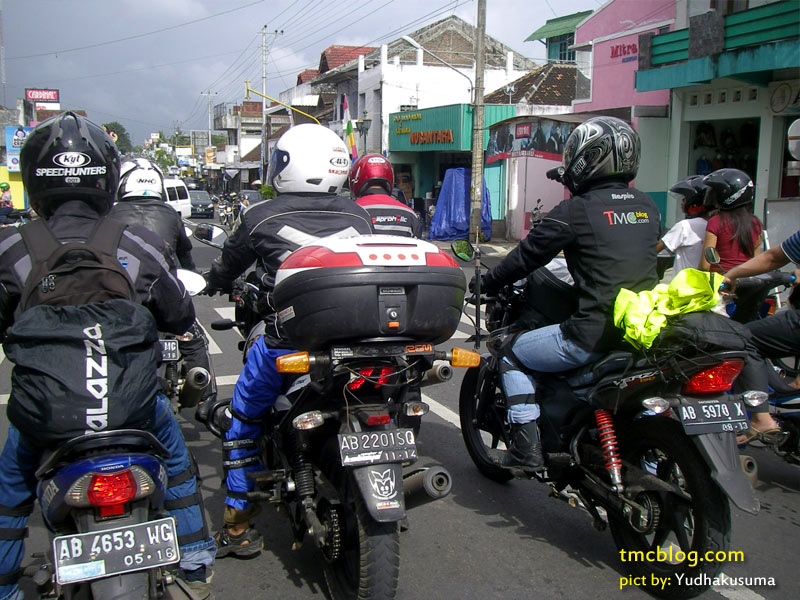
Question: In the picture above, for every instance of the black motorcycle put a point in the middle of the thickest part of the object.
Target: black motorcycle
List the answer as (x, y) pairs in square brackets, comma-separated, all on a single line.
[(644, 441), (339, 446)]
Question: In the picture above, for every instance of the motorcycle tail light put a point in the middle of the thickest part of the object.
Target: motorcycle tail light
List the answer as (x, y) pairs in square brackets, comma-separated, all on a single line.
[(465, 358), (374, 420), (111, 489), (714, 380), (439, 259), (88, 490), (317, 256), (376, 376)]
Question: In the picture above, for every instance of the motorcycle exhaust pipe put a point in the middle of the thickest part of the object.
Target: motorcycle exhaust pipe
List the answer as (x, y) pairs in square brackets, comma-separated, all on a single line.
[(194, 384), (438, 373), (424, 485)]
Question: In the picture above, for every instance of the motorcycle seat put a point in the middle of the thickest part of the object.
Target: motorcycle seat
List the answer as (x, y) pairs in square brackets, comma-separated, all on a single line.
[(131, 440), (611, 364)]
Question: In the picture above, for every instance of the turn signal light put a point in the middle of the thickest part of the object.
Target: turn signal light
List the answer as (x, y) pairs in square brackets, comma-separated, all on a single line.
[(465, 358), (714, 380), (293, 363), (309, 420)]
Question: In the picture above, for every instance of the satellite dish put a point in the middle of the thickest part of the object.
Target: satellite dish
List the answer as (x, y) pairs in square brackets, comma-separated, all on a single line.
[(794, 139)]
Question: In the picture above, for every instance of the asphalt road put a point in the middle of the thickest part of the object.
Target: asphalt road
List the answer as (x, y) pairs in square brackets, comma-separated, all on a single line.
[(485, 540)]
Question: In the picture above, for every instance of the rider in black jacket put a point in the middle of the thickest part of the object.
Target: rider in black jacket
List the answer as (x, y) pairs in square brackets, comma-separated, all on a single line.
[(308, 168), (608, 233), (72, 199), (140, 201)]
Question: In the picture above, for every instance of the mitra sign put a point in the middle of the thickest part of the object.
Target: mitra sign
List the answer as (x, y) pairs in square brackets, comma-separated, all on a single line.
[(37, 95)]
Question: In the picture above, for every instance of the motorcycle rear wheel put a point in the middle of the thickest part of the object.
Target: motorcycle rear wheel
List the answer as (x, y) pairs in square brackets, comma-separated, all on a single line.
[(699, 523), (480, 424), (368, 565)]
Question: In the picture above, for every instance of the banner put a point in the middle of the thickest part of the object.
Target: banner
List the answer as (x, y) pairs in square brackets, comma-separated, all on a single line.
[(536, 137), (15, 138)]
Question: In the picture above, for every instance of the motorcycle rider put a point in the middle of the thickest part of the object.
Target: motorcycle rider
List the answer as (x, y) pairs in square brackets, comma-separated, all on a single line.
[(685, 238), (773, 337), (71, 210), (140, 201), (608, 233), (371, 183), (307, 170)]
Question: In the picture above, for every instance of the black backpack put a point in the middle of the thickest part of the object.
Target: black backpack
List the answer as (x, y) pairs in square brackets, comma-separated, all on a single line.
[(74, 273), (85, 352)]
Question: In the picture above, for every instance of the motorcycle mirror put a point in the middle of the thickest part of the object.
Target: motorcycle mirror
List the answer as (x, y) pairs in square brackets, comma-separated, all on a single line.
[(193, 282), (210, 235), (188, 231), (463, 249), (711, 255)]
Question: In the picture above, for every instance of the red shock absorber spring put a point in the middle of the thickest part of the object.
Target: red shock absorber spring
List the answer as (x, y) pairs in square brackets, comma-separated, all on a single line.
[(608, 443)]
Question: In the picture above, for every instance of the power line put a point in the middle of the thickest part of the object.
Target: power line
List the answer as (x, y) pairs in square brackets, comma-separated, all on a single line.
[(140, 35)]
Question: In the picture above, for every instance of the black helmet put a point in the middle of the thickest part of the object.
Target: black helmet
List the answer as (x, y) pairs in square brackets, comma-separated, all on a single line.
[(730, 188), (68, 157), (694, 192), (598, 149)]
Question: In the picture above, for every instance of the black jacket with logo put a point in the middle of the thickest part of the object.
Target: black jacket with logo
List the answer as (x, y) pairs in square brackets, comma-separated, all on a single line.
[(269, 231), (155, 215), (608, 235)]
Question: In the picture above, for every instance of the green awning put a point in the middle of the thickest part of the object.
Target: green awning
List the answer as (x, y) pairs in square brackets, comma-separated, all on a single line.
[(559, 26)]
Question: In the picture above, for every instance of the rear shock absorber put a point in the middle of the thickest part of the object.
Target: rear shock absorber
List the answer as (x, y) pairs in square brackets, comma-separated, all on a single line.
[(608, 443), (303, 473)]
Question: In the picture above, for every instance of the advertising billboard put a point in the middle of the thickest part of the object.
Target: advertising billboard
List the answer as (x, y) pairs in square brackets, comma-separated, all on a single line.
[(15, 138)]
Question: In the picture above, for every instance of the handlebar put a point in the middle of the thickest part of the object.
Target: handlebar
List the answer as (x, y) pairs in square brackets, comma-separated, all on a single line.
[(761, 283)]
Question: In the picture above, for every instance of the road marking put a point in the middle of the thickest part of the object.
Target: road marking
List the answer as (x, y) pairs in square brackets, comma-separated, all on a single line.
[(442, 411), (4, 399), (227, 379), (213, 348), (226, 312), (2, 355)]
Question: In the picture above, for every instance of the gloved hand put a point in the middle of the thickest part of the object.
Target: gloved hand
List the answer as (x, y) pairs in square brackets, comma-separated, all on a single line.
[(488, 287), (213, 285)]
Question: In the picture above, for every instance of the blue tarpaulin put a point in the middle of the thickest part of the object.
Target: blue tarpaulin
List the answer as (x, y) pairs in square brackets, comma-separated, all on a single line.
[(451, 219)]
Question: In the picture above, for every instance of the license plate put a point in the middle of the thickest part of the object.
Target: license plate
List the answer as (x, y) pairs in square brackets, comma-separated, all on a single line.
[(384, 446), (713, 416), (96, 554), (169, 350)]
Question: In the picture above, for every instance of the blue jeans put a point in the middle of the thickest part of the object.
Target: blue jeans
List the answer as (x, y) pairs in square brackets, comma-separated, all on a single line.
[(545, 350), (20, 459), (257, 388)]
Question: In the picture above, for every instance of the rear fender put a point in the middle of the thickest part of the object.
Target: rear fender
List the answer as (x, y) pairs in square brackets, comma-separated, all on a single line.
[(722, 456), (381, 486)]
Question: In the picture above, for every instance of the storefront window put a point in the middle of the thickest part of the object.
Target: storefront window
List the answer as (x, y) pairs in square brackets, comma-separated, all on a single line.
[(583, 83)]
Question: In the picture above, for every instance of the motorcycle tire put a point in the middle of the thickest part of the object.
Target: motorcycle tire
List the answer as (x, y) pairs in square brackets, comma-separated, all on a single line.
[(368, 564), (699, 523), (130, 586), (481, 422)]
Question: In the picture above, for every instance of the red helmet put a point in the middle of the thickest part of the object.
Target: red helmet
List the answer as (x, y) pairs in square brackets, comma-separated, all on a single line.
[(369, 170)]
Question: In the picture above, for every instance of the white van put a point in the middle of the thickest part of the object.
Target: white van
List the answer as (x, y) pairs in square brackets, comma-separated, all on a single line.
[(178, 196)]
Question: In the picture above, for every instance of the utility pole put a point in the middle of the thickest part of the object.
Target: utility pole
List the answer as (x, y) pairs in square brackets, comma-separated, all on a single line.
[(264, 117), (477, 125), (2, 56)]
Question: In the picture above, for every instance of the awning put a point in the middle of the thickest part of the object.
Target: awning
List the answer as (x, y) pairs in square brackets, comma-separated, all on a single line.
[(231, 173), (559, 26)]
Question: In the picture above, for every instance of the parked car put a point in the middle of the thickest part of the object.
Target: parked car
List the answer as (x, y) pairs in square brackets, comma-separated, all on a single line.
[(251, 197), (178, 196), (202, 204)]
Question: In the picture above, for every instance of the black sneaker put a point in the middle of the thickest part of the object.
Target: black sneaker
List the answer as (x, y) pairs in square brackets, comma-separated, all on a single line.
[(245, 545)]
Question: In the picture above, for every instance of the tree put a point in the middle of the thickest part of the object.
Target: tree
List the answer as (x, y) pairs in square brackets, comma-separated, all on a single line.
[(124, 144)]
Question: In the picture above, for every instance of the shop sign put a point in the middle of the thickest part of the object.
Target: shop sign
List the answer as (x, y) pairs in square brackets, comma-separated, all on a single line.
[(15, 138), (436, 136), (37, 95), (627, 52), (534, 137)]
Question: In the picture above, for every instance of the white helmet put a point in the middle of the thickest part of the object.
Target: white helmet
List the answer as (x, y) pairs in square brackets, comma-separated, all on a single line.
[(139, 178), (309, 158)]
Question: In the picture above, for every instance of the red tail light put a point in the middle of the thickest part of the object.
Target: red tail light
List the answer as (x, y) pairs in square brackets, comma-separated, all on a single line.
[(440, 259), (380, 378), (714, 380), (108, 490), (317, 256), (374, 420)]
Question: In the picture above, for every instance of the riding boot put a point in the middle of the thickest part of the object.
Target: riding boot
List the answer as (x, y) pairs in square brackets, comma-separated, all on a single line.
[(525, 450)]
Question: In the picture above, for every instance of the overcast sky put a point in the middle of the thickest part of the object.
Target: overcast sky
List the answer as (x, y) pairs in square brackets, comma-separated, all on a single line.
[(146, 63)]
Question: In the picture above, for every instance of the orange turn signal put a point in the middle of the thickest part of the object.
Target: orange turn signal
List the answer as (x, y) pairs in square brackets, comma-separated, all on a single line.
[(293, 363), (465, 358)]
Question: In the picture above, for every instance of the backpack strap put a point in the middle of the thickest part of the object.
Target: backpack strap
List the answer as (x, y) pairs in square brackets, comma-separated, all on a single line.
[(106, 235), (39, 240)]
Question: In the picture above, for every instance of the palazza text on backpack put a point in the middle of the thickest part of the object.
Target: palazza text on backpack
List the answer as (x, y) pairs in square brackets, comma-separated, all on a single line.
[(85, 353)]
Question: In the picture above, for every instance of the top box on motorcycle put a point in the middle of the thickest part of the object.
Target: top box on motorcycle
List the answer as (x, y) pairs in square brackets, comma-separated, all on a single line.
[(368, 289)]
